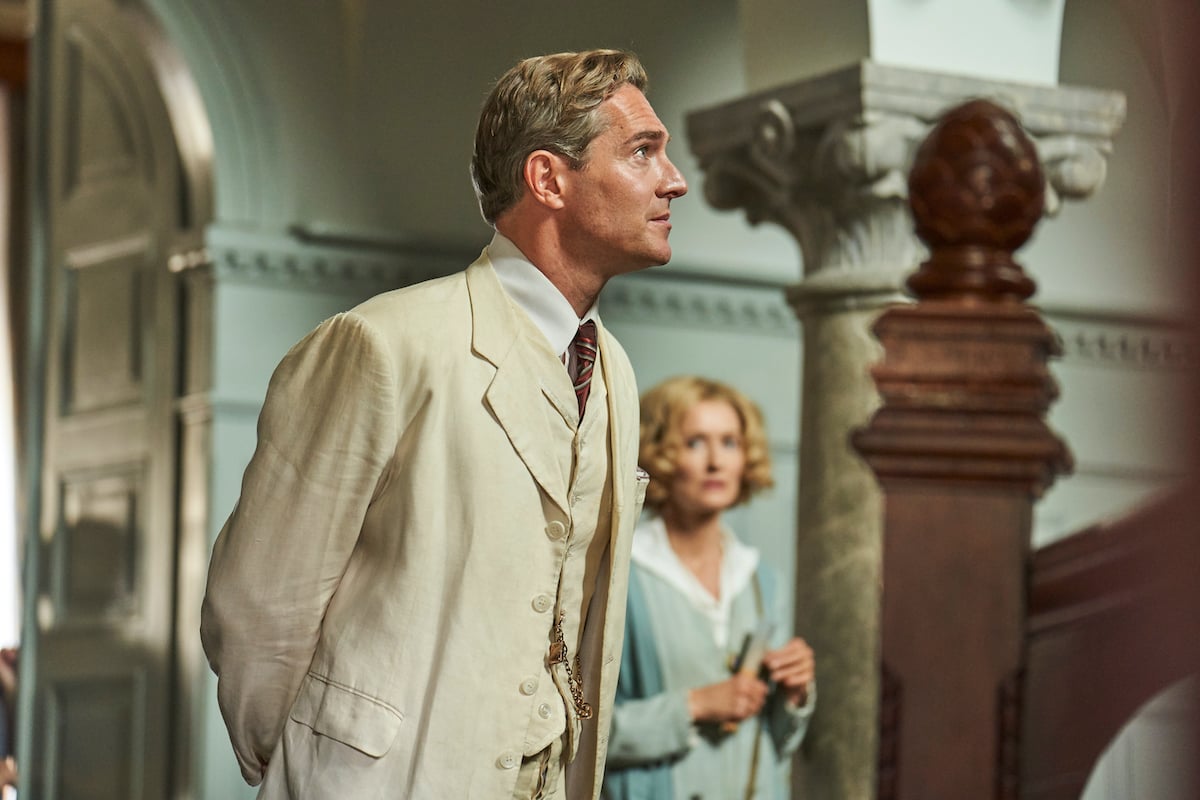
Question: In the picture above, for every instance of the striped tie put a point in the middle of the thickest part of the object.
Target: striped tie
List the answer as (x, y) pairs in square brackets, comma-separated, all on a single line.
[(583, 346)]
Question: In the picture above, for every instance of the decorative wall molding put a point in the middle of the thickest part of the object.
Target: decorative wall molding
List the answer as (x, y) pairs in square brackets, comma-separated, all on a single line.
[(299, 260), (689, 298), (669, 297), (1123, 341)]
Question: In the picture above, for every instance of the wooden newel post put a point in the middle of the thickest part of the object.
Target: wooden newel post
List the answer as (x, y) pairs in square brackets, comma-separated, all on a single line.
[(961, 450)]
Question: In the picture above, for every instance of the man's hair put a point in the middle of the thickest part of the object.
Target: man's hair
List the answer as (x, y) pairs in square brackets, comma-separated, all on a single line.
[(544, 103), (663, 410)]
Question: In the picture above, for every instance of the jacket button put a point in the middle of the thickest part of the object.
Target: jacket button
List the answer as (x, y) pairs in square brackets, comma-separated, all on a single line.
[(556, 530), (529, 686), (507, 761), (542, 603), (544, 711)]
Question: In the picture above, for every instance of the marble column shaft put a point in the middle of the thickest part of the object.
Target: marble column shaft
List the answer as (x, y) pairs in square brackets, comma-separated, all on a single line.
[(828, 158)]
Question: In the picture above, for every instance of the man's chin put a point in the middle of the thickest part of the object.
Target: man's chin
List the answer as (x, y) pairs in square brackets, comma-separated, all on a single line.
[(660, 258), (656, 258)]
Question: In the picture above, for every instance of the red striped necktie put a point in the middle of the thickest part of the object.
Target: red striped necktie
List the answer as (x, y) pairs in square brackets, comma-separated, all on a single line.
[(584, 348)]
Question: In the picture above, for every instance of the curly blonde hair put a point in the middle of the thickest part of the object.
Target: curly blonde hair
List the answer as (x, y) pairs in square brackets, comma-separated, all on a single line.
[(663, 409), (544, 103)]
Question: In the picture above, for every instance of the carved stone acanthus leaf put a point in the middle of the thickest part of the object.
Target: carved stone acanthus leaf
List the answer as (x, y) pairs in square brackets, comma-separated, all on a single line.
[(831, 187), (840, 191), (871, 153), (828, 157)]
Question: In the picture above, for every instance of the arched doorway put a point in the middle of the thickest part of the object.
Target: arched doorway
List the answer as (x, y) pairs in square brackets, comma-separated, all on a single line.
[(121, 194)]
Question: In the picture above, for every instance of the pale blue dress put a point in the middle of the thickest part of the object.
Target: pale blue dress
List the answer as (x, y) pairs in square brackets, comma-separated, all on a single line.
[(678, 637)]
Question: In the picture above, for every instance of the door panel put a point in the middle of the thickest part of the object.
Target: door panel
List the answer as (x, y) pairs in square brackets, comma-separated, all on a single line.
[(103, 695)]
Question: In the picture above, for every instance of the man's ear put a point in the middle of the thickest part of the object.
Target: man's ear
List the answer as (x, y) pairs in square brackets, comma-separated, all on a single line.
[(544, 177)]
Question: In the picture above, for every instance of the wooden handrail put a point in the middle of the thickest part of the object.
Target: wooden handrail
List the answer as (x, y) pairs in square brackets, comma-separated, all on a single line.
[(1113, 619)]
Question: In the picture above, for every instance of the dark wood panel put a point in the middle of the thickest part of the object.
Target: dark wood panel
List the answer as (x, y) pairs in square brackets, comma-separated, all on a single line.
[(100, 135), (102, 703), (106, 322), (96, 739), (95, 553)]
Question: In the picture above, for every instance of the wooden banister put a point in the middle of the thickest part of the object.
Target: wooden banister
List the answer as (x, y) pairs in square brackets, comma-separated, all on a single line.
[(1114, 618), (961, 449), (1005, 672)]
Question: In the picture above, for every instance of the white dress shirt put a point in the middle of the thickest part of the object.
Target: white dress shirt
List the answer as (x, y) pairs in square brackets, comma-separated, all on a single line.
[(532, 292)]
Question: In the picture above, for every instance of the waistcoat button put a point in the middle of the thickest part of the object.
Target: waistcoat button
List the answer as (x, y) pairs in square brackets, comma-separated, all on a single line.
[(507, 761), (529, 686), (544, 711), (542, 603), (556, 530)]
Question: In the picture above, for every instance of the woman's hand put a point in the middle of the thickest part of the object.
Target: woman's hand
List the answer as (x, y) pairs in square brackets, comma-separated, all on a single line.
[(792, 668), (731, 700)]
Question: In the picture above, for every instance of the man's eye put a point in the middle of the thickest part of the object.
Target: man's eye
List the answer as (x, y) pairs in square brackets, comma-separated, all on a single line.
[(693, 442), (642, 152)]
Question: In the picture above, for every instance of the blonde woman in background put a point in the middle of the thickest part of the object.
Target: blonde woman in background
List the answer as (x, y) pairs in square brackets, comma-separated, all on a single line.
[(705, 711)]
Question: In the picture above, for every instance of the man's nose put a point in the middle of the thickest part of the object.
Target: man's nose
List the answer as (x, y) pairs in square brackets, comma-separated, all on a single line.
[(673, 184)]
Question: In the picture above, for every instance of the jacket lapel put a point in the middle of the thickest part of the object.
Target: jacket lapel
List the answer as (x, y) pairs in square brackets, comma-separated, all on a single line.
[(622, 469), (515, 394)]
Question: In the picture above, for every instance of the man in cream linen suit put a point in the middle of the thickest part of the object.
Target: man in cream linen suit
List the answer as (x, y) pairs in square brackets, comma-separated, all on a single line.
[(421, 591)]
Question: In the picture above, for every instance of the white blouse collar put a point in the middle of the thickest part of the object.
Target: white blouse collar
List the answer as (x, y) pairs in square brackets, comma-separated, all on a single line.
[(652, 551)]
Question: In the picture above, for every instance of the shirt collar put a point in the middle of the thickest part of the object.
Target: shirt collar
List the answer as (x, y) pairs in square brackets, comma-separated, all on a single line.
[(532, 291), (653, 552)]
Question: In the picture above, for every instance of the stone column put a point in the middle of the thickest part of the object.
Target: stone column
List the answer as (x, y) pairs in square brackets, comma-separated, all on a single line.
[(828, 158)]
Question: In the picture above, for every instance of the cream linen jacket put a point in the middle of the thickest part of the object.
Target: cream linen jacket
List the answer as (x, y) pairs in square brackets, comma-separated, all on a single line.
[(368, 609)]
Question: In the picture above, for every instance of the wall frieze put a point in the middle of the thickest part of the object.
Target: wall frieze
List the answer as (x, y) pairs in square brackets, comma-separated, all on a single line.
[(297, 261), (679, 296), (1122, 341), (697, 300)]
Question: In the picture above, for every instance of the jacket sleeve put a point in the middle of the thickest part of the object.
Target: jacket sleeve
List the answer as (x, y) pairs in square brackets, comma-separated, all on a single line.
[(650, 722), (326, 435), (787, 724), (649, 730)]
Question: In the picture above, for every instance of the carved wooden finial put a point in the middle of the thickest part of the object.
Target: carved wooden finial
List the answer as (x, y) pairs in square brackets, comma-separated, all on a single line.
[(977, 191)]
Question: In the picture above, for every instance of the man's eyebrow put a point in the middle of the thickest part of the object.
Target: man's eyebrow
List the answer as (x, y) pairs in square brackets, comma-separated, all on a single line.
[(648, 136)]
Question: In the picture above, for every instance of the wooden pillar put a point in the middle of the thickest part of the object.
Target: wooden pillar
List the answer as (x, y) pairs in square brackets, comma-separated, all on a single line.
[(961, 450)]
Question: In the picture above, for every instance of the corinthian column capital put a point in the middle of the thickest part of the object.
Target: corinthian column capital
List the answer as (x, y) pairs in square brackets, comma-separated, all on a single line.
[(828, 157)]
